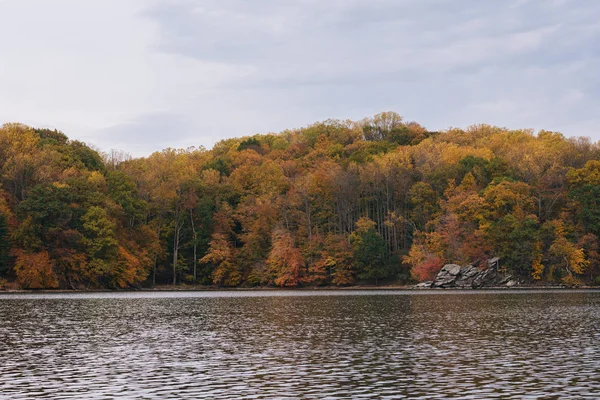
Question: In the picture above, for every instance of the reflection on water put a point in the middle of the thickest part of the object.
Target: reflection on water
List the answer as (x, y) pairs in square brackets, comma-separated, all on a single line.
[(286, 344)]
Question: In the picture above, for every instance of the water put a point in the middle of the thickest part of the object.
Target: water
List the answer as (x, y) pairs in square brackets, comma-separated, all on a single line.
[(301, 344)]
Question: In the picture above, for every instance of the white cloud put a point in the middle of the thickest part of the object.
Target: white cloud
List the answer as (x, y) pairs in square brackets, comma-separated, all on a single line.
[(118, 74)]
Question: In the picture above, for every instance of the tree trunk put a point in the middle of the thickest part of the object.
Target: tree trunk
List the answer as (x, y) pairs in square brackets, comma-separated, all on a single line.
[(176, 250), (195, 241), (154, 273)]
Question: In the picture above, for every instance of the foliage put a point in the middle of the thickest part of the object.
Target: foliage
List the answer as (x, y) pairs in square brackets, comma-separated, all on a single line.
[(221, 255), (4, 245), (285, 261), (328, 204), (35, 270), (370, 251), (567, 255), (427, 269)]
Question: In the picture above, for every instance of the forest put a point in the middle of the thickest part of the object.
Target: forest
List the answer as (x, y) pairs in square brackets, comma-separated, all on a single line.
[(336, 203)]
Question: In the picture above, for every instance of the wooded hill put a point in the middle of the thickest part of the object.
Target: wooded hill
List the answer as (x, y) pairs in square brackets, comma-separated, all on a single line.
[(335, 203)]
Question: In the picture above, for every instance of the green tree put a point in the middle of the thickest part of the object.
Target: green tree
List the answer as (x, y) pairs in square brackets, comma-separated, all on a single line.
[(100, 241), (370, 251), (584, 189)]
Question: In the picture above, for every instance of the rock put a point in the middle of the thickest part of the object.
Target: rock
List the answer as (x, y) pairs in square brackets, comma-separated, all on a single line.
[(485, 278), (511, 283), (504, 280), (447, 281), (466, 276), (493, 262), (425, 285), (470, 276), (469, 271), (452, 269), (447, 276)]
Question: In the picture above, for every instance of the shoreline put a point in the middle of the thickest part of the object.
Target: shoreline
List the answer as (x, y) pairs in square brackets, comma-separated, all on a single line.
[(190, 288)]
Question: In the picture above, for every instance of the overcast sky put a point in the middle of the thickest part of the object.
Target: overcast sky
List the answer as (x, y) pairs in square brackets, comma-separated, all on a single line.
[(142, 75)]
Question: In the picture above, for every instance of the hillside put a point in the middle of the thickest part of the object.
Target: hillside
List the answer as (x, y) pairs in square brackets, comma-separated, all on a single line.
[(335, 203)]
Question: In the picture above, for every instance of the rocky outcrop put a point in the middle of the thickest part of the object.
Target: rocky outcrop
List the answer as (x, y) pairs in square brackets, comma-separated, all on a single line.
[(447, 276), (470, 277)]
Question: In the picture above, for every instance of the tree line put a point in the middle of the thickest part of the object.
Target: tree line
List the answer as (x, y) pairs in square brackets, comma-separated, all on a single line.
[(334, 203)]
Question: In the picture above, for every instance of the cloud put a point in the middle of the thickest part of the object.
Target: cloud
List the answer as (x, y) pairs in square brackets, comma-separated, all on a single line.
[(107, 71), (440, 62)]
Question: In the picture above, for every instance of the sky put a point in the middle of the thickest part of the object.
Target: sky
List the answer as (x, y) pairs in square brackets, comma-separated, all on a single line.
[(144, 75)]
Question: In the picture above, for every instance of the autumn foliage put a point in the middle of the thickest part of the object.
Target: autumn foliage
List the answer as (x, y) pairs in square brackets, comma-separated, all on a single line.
[(333, 203), (35, 271), (285, 261)]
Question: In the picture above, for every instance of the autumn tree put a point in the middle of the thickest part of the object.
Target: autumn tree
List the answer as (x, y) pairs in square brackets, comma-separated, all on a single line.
[(511, 226), (336, 262), (329, 203), (35, 270), (285, 260), (568, 257), (4, 245), (221, 255)]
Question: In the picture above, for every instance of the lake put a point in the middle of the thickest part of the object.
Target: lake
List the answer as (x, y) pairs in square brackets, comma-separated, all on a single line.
[(301, 344)]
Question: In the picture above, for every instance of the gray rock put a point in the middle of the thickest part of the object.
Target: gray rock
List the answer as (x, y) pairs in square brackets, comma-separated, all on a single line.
[(485, 278), (469, 276), (447, 275), (504, 279), (469, 271), (466, 276), (511, 283), (444, 282), (452, 269), (425, 285), (493, 262)]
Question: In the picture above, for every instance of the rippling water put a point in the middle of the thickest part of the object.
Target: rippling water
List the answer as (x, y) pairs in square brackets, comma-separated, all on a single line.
[(301, 344)]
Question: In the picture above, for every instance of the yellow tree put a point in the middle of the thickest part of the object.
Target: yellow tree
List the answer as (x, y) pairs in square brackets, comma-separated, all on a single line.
[(35, 270), (568, 256), (285, 261), (336, 261), (169, 174), (22, 162), (221, 255), (511, 227)]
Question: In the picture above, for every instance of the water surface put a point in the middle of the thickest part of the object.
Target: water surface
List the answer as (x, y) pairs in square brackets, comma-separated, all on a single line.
[(301, 344)]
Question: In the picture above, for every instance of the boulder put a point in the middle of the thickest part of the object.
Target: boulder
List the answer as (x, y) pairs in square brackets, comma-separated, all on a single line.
[(485, 278), (470, 276), (447, 276), (493, 262), (466, 276)]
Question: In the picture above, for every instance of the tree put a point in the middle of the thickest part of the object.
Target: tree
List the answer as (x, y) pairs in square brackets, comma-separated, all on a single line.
[(285, 260), (369, 251), (329, 203), (35, 270), (4, 245), (584, 189), (221, 255), (423, 204), (512, 228), (567, 254), (427, 269), (335, 263), (22, 163), (100, 234), (591, 247)]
